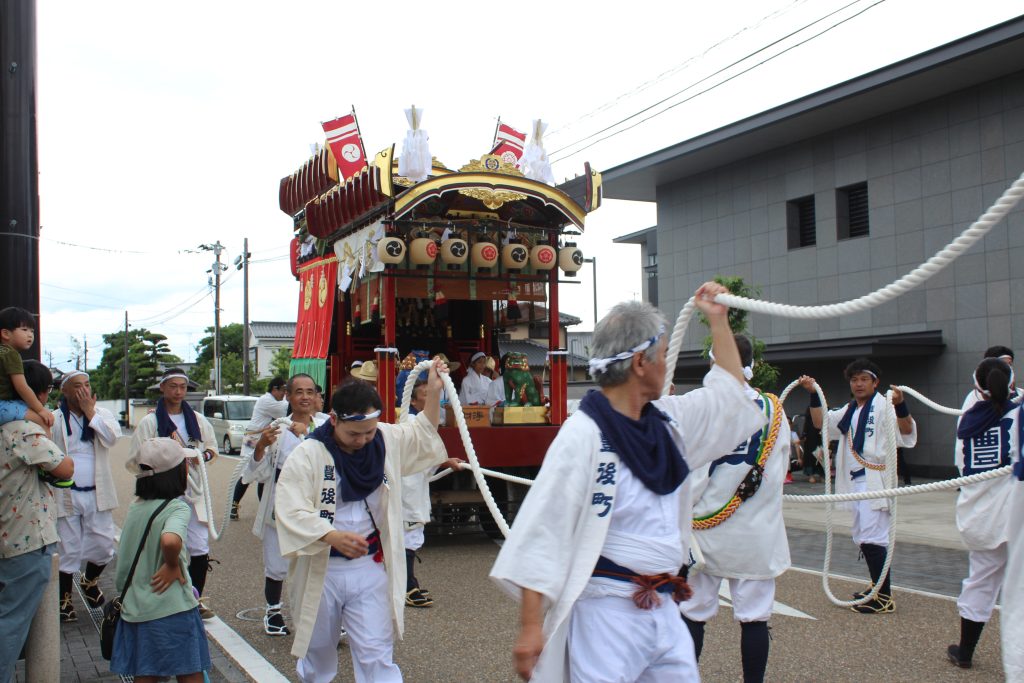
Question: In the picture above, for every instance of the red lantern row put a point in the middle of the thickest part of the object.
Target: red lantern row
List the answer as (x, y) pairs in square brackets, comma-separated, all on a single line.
[(314, 178), (345, 203)]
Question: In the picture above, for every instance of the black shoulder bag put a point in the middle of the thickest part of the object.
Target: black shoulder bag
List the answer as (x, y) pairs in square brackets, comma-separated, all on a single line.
[(112, 610)]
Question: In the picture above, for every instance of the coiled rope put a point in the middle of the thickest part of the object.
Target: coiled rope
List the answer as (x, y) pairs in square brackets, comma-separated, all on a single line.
[(215, 533)]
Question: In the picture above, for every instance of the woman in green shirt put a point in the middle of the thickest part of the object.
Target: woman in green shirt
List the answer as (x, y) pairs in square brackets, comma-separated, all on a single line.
[(160, 633)]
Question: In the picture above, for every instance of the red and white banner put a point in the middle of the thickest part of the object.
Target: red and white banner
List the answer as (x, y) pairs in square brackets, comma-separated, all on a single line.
[(508, 143), (346, 145)]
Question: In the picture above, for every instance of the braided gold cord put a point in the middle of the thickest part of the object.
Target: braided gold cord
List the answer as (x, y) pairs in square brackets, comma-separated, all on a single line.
[(767, 445), (876, 466)]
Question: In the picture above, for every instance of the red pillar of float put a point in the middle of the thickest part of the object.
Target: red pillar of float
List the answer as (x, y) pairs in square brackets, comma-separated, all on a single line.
[(386, 360), (556, 356)]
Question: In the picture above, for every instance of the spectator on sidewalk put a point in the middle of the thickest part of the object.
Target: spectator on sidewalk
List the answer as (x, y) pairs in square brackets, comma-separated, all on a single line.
[(28, 521), (85, 433), (811, 450), (160, 633)]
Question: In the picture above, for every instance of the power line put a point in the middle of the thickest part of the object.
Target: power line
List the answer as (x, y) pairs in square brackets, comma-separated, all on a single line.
[(716, 85), (202, 289)]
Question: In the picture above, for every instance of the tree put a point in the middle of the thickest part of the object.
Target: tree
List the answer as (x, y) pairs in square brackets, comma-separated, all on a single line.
[(765, 374), (231, 355), (281, 363), (147, 351)]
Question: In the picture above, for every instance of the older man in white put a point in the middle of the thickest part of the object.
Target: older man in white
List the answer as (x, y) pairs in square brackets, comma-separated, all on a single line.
[(596, 550), (475, 384), (85, 433)]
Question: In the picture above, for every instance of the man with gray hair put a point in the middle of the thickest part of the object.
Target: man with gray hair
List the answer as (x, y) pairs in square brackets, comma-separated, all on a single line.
[(601, 538)]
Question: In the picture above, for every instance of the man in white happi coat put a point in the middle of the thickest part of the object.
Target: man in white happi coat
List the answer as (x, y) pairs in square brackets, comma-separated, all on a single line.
[(596, 549), (272, 449), (861, 466), (174, 418), (475, 384), (1011, 619), (738, 526), (339, 521), (85, 433), (416, 507), (268, 407), (985, 434)]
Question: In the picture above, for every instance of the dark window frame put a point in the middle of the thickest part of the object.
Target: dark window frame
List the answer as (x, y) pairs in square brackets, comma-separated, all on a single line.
[(801, 222), (852, 211)]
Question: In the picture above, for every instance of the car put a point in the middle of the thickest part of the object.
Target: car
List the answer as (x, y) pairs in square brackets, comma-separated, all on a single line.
[(228, 415)]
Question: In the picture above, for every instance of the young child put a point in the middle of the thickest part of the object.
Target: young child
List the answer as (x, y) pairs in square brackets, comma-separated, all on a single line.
[(17, 402), (161, 633)]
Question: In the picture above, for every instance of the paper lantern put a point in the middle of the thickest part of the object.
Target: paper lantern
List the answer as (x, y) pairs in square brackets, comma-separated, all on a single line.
[(485, 255), (391, 250), (422, 251), (454, 252), (570, 259), (514, 256), (543, 257)]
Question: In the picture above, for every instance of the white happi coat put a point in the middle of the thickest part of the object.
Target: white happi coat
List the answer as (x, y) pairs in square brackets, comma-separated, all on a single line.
[(1012, 616), (305, 508), (874, 444), (263, 472), (416, 491), (982, 508), (194, 493), (107, 432), (752, 543), (561, 528), (474, 388)]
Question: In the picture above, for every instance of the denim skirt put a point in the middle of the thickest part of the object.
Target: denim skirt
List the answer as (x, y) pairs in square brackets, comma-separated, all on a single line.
[(171, 646)]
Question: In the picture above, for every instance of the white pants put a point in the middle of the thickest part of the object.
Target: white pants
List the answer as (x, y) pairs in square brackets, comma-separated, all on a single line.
[(981, 587), (752, 599), (355, 598), (85, 536), (197, 541), (612, 640), (414, 537), (869, 526), (274, 566)]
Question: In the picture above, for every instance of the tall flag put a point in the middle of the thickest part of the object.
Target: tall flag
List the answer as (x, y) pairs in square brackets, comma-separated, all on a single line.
[(346, 145), (508, 143)]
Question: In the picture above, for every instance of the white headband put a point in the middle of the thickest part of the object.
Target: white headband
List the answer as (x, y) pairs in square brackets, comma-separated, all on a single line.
[(359, 417), (598, 365), (478, 354), (70, 375), (748, 370), (177, 375)]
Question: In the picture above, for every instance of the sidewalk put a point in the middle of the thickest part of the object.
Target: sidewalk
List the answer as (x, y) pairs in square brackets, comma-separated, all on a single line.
[(80, 659)]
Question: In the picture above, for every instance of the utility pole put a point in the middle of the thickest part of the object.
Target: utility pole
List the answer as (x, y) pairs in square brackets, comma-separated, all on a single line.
[(217, 248), (242, 263), (124, 374), (85, 353)]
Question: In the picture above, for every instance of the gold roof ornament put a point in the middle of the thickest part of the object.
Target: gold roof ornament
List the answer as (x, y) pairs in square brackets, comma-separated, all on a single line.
[(492, 199), (491, 163)]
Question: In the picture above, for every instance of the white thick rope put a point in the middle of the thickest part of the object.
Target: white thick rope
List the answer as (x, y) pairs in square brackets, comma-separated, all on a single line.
[(467, 442), (215, 533)]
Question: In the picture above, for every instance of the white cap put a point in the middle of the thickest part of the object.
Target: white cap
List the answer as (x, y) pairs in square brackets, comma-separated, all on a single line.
[(160, 454)]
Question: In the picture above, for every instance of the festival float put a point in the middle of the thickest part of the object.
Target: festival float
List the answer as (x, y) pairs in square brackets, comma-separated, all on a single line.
[(400, 253)]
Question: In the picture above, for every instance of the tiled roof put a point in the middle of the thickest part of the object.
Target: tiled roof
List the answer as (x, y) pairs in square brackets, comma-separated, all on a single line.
[(536, 353), (540, 313), (265, 331)]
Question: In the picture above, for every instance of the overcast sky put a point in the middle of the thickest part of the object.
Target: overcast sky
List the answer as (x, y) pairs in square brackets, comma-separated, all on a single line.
[(166, 126)]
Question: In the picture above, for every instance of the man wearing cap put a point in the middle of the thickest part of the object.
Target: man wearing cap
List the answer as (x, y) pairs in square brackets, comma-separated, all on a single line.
[(175, 418), (366, 372), (85, 433), (861, 464), (598, 545), (475, 383), (338, 511), (28, 524)]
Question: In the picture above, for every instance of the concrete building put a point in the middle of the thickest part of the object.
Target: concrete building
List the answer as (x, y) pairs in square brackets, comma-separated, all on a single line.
[(841, 192)]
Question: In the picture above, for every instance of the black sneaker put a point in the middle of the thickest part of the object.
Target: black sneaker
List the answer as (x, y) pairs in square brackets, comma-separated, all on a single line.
[(953, 653), (415, 598), (67, 610), (882, 604), (93, 595), (234, 510)]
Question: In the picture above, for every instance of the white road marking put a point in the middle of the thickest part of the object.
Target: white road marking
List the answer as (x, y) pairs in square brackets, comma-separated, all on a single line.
[(244, 656), (725, 600)]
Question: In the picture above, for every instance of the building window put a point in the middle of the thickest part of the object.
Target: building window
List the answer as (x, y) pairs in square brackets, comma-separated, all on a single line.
[(852, 211), (800, 223)]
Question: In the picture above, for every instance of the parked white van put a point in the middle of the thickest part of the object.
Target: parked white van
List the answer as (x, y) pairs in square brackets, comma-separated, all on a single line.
[(228, 415)]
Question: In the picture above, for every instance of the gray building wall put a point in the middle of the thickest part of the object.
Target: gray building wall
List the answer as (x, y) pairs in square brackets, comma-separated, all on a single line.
[(931, 170)]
